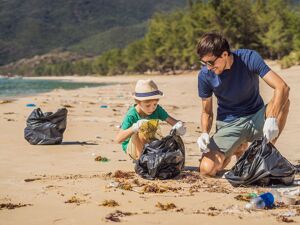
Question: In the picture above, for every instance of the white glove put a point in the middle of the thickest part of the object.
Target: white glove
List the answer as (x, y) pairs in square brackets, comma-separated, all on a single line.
[(202, 142), (136, 126), (271, 129), (179, 127)]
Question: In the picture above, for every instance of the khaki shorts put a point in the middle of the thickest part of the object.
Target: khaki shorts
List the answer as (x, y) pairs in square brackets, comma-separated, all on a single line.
[(230, 135), (131, 148)]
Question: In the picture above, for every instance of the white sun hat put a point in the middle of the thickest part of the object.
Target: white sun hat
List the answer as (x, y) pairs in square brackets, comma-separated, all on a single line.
[(146, 90)]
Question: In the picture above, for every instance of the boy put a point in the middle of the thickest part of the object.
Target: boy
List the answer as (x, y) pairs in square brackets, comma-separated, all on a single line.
[(146, 97)]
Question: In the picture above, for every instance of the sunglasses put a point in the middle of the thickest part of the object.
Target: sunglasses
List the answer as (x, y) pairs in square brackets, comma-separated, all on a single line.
[(210, 63)]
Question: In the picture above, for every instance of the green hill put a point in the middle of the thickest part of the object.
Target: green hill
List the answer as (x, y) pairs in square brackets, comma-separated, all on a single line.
[(88, 26)]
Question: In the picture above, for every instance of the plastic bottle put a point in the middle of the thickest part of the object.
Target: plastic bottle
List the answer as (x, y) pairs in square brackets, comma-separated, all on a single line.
[(265, 200)]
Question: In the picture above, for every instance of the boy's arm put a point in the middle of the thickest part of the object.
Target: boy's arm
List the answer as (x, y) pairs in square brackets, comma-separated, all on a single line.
[(123, 135), (170, 120)]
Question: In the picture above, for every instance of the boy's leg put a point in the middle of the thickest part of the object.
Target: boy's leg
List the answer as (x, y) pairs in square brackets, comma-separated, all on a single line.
[(135, 146)]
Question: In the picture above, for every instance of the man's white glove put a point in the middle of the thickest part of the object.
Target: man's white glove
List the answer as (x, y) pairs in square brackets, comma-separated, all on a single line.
[(271, 129), (136, 126), (202, 142), (179, 127)]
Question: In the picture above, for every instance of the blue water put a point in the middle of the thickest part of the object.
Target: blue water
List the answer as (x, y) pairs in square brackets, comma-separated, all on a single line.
[(18, 86)]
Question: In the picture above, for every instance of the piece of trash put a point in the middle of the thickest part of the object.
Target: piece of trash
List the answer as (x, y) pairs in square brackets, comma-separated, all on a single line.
[(101, 159), (5, 101), (288, 199), (262, 201), (30, 105), (113, 185), (123, 174), (148, 129), (166, 207), (103, 106), (110, 203), (296, 182), (76, 200), (289, 214), (67, 106), (284, 219), (12, 206), (32, 179), (115, 215), (245, 197)]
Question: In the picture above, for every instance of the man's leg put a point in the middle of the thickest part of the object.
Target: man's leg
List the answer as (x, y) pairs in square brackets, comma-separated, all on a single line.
[(282, 117), (226, 142), (211, 163), (240, 151), (215, 162)]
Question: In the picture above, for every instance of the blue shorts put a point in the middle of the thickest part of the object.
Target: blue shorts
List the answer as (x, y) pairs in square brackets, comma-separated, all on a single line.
[(230, 135)]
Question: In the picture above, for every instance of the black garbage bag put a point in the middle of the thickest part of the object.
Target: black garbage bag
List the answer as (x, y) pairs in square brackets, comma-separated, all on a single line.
[(162, 159), (261, 164), (46, 128)]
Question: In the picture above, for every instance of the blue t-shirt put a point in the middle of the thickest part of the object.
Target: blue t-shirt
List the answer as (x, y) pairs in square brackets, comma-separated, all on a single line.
[(236, 89)]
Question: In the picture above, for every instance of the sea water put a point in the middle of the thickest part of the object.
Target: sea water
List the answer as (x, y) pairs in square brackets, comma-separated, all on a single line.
[(19, 87)]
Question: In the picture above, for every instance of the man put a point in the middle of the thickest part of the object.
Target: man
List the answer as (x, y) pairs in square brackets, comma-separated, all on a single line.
[(241, 115)]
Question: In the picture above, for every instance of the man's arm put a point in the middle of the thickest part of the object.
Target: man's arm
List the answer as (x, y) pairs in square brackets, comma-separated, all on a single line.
[(281, 93), (207, 114)]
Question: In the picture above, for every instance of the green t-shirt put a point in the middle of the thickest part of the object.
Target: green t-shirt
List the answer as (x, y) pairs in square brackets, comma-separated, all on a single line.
[(132, 117)]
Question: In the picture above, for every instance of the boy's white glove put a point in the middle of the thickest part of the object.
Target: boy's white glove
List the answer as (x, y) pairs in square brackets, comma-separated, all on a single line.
[(202, 142), (136, 126), (180, 128), (271, 129)]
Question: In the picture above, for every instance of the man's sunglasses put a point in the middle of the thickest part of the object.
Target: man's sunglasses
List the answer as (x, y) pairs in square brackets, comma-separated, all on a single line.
[(210, 63)]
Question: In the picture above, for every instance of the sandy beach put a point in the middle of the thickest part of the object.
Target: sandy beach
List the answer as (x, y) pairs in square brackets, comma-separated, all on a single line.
[(63, 184)]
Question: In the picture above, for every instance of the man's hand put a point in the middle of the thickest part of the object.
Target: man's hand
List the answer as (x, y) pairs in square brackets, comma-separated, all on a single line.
[(180, 128), (203, 141), (271, 129), (136, 126)]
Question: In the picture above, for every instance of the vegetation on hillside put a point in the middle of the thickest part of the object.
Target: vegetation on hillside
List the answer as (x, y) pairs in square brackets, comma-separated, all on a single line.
[(34, 27)]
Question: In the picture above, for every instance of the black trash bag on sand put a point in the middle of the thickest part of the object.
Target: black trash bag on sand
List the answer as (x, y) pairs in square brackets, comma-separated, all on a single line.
[(262, 164), (162, 159), (46, 128)]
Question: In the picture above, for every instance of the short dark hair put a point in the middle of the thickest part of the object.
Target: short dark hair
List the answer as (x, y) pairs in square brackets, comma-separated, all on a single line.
[(212, 43)]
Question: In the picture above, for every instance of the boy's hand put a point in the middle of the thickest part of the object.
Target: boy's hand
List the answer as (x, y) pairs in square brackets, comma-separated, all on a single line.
[(202, 142), (136, 126), (271, 129), (180, 128)]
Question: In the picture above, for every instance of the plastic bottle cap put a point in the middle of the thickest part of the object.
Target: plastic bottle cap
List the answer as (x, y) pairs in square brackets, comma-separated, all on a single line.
[(268, 199), (30, 105)]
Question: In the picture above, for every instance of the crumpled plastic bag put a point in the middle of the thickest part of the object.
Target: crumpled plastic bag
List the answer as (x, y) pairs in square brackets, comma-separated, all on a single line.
[(162, 159), (261, 164), (46, 128)]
